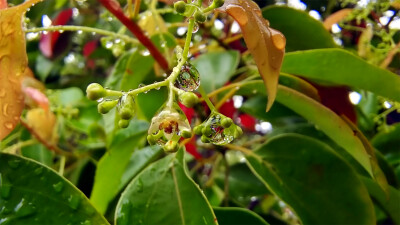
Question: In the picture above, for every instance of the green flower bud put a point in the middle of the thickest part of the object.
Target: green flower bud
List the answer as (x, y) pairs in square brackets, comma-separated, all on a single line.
[(188, 99), (238, 132), (200, 17), (95, 91), (151, 139), (226, 122), (205, 139), (180, 7), (197, 130), (186, 133), (218, 3), (123, 123), (171, 146), (126, 107), (207, 131), (105, 106)]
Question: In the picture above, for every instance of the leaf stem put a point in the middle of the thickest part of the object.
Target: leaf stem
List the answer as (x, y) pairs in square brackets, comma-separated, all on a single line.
[(123, 37), (206, 99)]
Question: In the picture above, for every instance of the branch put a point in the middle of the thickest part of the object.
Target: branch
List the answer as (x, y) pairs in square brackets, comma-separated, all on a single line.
[(114, 7)]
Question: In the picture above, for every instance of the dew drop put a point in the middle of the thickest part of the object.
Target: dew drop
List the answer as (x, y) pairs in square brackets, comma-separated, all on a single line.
[(58, 186), (141, 85), (195, 28), (86, 222), (73, 201), (23, 208), (14, 163), (145, 52), (109, 44), (100, 100), (8, 125), (140, 185), (38, 171), (188, 79)]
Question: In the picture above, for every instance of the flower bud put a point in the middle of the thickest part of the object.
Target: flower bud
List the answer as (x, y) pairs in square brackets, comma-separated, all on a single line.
[(126, 107), (180, 7), (226, 122), (123, 123), (188, 99), (105, 106), (95, 91), (171, 146), (200, 17), (218, 3)]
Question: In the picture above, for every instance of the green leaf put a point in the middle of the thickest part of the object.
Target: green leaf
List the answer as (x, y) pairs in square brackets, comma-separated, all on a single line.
[(216, 68), (67, 96), (302, 32), (113, 164), (31, 193), (164, 193), (130, 70), (341, 67), (389, 203), (237, 216), (387, 141), (39, 153), (325, 119), (156, 97), (138, 161), (318, 184)]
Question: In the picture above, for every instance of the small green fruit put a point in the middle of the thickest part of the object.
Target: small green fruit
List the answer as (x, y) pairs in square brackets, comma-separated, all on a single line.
[(226, 122), (126, 107), (207, 131), (171, 146), (150, 139), (238, 132), (205, 139), (105, 106), (126, 113), (123, 123), (197, 130), (180, 7), (188, 99), (200, 17), (95, 91), (218, 3), (186, 133)]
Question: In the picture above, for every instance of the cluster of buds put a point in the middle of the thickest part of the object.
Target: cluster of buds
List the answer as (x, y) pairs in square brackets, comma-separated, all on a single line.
[(125, 104), (189, 9)]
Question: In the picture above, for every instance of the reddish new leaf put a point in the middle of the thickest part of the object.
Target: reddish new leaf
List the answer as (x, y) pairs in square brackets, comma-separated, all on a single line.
[(265, 44), (13, 64)]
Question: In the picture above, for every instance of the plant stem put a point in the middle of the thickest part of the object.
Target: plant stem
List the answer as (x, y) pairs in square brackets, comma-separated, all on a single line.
[(19, 145), (123, 37), (188, 39), (206, 99), (114, 7)]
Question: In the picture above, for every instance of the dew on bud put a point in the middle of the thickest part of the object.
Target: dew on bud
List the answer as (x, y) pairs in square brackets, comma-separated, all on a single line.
[(170, 123), (188, 79), (126, 107), (195, 28), (218, 129)]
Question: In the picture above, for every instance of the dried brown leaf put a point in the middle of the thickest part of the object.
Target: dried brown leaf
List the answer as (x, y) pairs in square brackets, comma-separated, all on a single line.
[(265, 44)]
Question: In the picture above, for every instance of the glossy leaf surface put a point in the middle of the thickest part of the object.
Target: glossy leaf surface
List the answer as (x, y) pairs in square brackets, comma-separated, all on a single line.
[(216, 68), (265, 44), (112, 165), (313, 180), (237, 216), (31, 193), (302, 31), (338, 66), (164, 193)]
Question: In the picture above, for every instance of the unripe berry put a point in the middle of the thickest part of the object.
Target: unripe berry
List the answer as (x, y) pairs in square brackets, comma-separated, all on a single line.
[(171, 146), (207, 131), (123, 123), (126, 107), (226, 122), (218, 3), (95, 91), (188, 99), (197, 130), (126, 113), (238, 132), (180, 7), (205, 139), (186, 133), (105, 106), (200, 17)]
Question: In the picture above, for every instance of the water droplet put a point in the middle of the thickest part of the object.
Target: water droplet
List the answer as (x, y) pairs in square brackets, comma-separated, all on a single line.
[(145, 52), (195, 28), (109, 44), (58, 186), (23, 208), (14, 163), (141, 85), (217, 134), (8, 125), (100, 100), (86, 222), (73, 201), (38, 171), (5, 109), (61, 31), (188, 79), (139, 185)]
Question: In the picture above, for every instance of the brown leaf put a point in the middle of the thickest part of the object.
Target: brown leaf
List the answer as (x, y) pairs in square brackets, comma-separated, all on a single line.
[(265, 44), (13, 62)]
